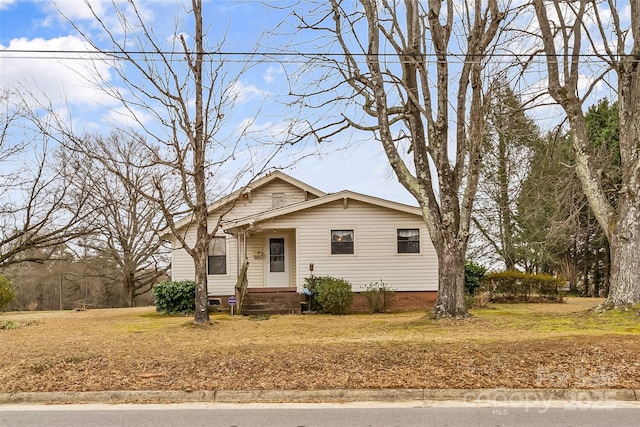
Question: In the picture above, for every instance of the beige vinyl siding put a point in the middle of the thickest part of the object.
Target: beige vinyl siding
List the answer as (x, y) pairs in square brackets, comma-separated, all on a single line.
[(261, 199), (293, 256), (375, 255), (224, 284), (257, 255), (182, 267), (181, 262), (308, 231)]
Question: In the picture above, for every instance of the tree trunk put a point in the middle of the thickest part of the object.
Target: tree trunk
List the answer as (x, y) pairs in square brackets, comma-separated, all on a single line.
[(620, 223), (450, 301), (200, 253), (199, 175), (597, 277), (624, 239), (202, 297), (129, 291), (573, 282), (586, 267), (504, 209), (443, 175), (625, 256)]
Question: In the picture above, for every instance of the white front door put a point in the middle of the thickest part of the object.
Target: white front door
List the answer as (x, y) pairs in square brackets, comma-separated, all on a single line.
[(277, 266)]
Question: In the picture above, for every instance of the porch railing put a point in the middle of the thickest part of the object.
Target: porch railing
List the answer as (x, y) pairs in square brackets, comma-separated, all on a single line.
[(241, 285)]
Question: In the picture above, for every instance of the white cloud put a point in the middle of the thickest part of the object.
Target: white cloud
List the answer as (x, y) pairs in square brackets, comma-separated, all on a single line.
[(78, 9), (62, 78), (241, 92), (123, 117), (110, 13), (272, 73), (4, 4)]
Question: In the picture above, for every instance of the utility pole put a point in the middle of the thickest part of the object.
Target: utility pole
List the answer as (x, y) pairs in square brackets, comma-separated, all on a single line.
[(61, 276)]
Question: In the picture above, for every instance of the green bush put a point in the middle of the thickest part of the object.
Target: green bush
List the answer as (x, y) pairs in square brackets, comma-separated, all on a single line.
[(515, 286), (333, 295), (378, 296), (6, 292), (310, 291), (473, 275), (12, 324), (9, 324), (175, 297)]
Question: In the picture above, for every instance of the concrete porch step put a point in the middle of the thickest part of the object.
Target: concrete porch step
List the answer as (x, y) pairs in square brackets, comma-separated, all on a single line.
[(258, 312), (272, 303), (271, 290)]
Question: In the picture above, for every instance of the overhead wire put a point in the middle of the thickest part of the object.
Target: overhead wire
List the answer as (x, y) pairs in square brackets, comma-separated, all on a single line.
[(269, 56)]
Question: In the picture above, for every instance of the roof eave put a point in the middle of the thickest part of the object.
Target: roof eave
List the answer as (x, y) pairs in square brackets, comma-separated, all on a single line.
[(349, 195)]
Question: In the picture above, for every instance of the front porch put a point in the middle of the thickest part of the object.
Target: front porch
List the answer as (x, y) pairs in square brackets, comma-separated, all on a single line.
[(270, 255)]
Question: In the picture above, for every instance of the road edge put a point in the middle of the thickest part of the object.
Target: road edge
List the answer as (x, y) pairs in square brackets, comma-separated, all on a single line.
[(337, 395)]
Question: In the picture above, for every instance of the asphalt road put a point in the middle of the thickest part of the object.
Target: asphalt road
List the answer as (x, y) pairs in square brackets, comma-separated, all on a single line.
[(376, 414)]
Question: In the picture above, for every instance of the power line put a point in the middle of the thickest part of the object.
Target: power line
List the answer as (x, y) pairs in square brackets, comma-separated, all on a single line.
[(118, 54)]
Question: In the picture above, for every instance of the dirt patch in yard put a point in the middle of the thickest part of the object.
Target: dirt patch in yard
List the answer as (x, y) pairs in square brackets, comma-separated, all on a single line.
[(523, 346)]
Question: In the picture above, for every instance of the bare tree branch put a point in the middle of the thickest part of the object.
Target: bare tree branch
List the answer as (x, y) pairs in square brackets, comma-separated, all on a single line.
[(387, 71)]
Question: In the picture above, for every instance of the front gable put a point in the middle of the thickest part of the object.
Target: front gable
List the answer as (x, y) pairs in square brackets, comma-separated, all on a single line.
[(275, 194), (272, 191)]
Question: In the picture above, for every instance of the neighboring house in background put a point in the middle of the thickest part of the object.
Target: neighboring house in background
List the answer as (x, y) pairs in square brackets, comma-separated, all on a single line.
[(282, 226)]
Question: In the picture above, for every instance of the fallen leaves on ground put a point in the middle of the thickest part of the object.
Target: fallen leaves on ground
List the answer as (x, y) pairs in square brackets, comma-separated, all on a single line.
[(135, 349)]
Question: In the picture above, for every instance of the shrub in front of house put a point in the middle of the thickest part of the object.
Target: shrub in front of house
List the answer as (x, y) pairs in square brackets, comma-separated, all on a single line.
[(378, 295), (333, 295), (175, 297), (6, 292), (515, 286), (474, 295), (310, 291), (473, 275)]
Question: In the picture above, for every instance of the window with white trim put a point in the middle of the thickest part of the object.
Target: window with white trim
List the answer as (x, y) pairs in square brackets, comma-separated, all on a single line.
[(408, 241), (217, 259), (341, 242)]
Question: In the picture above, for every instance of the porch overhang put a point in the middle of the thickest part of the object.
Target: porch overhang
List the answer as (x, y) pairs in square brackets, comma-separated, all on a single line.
[(247, 223)]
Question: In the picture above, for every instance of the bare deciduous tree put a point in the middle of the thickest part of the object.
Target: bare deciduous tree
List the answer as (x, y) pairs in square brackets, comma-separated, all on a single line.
[(569, 30), (180, 92), (400, 69), (37, 209), (127, 222)]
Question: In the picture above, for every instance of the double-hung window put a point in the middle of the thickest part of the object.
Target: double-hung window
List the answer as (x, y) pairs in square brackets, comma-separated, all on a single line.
[(408, 241), (341, 242), (217, 259)]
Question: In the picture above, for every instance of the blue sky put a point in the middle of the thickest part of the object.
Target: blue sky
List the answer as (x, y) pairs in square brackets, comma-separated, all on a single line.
[(352, 162)]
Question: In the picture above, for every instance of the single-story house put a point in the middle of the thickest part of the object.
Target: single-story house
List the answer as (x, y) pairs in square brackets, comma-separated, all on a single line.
[(287, 230)]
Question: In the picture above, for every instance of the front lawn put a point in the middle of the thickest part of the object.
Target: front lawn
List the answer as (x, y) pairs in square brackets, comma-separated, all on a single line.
[(519, 346)]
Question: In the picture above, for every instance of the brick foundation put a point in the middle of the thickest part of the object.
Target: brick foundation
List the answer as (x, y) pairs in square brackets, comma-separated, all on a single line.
[(401, 301)]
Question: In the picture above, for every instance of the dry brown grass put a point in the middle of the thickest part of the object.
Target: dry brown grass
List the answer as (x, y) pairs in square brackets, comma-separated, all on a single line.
[(521, 346)]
